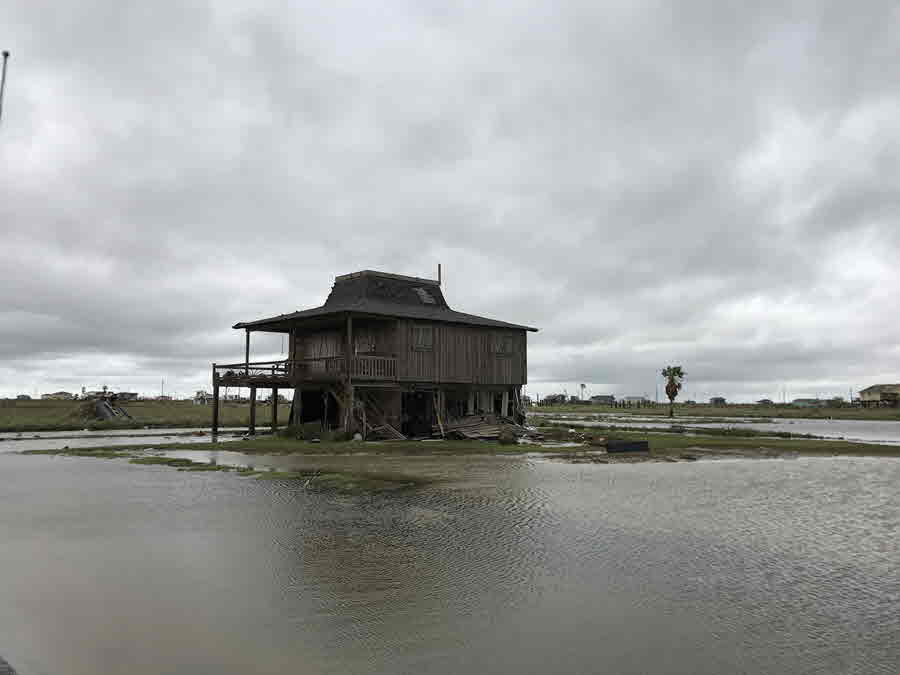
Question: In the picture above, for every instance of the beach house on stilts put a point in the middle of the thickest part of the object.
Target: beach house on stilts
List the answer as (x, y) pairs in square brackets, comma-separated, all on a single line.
[(385, 355)]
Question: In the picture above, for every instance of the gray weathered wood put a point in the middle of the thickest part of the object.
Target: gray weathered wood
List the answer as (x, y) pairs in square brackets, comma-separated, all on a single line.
[(252, 428)]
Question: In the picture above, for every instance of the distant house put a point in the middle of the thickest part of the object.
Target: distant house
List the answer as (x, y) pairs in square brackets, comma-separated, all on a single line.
[(127, 396), (880, 395), (807, 403), (202, 398), (603, 399), (717, 400), (58, 396), (635, 399), (23, 397), (765, 401), (554, 399)]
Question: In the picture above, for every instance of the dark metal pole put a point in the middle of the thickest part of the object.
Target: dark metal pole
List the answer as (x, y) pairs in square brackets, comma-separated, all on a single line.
[(3, 81)]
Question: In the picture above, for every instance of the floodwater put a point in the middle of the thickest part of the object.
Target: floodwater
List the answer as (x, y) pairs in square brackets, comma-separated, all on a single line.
[(868, 431), (57, 440), (508, 565)]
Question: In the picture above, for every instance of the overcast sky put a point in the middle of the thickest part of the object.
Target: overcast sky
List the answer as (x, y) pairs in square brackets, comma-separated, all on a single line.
[(712, 184)]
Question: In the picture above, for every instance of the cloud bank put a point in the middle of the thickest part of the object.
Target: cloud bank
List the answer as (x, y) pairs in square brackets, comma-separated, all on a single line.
[(713, 186)]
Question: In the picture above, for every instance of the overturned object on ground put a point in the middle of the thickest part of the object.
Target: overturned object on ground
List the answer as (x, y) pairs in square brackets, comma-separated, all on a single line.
[(614, 445), (479, 427)]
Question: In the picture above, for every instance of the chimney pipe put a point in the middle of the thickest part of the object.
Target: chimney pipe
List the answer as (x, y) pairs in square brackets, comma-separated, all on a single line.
[(439, 274)]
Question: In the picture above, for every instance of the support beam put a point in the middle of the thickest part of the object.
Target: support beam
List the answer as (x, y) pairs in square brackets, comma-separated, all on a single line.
[(504, 406), (252, 429), (215, 410), (274, 408), (349, 400), (247, 355), (296, 407), (348, 366), (348, 348)]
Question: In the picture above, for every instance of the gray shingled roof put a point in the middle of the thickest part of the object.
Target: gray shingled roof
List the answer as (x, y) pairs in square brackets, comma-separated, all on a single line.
[(383, 294)]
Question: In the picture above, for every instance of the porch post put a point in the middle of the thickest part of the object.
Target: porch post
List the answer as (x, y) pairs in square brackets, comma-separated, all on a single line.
[(296, 403), (247, 354), (252, 429), (215, 410), (504, 406), (348, 348), (349, 409), (348, 365), (274, 408)]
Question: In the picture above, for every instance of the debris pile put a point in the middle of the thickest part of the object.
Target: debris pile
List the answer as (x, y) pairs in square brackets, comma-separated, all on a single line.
[(478, 427)]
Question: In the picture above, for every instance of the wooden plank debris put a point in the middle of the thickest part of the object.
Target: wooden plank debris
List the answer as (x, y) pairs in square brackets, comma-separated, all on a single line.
[(478, 427)]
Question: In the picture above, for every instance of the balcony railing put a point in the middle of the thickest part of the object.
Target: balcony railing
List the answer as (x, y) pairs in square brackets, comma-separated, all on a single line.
[(375, 367), (327, 367), (254, 369)]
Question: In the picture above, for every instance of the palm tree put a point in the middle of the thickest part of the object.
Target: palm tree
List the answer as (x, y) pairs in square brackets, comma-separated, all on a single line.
[(674, 375)]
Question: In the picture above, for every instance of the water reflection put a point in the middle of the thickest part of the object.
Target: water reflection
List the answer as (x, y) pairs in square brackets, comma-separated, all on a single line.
[(509, 565), (870, 431)]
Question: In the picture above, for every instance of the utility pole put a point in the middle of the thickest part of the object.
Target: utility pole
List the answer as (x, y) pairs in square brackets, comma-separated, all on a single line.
[(3, 81)]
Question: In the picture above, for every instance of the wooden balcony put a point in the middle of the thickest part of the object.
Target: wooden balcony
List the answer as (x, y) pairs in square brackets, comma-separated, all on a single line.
[(286, 373)]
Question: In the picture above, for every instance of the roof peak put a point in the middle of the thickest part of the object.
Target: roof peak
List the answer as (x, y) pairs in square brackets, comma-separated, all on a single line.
[(385, 275)]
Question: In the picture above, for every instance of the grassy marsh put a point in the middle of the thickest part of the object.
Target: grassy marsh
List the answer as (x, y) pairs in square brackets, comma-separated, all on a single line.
[(39, 415), (731, 410)]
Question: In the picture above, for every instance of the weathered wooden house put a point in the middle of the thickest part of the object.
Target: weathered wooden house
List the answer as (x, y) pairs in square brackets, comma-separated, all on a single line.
[(386, 352)]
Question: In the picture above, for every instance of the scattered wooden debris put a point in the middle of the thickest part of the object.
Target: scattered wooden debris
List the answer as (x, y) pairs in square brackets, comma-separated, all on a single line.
[(478, 427), (385, 432)]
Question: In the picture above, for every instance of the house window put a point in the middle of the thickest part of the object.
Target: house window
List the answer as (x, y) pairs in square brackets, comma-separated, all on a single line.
[(423, 338), (503, 345)]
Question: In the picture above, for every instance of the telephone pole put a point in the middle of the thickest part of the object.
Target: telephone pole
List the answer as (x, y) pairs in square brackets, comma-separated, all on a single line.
[(3, 81)]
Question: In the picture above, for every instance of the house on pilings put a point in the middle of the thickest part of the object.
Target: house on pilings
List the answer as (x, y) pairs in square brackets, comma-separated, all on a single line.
[(386, 355)]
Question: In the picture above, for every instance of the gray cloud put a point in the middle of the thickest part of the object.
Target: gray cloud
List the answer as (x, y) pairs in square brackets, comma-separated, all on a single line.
[(713, 186)]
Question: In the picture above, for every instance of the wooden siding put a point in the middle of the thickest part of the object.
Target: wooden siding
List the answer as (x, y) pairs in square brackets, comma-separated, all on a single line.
[(376, 338), (462, 354), (459, 354)]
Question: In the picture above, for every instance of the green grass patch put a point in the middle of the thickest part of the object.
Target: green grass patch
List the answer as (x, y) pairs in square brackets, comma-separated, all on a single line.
[(26, 416), (731, 410), (99, 453), (664, 442), (349, 482)]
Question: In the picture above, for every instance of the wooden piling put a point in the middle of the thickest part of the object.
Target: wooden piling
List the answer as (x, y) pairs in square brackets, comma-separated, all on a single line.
[(274, 408), (252, 429), (215, 410)]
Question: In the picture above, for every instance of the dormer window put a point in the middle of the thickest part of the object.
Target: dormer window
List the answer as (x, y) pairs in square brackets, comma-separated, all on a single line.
[(424, 296), (503, 345)]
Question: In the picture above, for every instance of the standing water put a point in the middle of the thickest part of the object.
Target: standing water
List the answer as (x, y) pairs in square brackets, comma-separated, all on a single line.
[(507, 565)]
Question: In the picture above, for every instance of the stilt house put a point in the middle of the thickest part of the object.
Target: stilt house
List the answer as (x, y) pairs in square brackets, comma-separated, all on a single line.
[(386, 355)]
